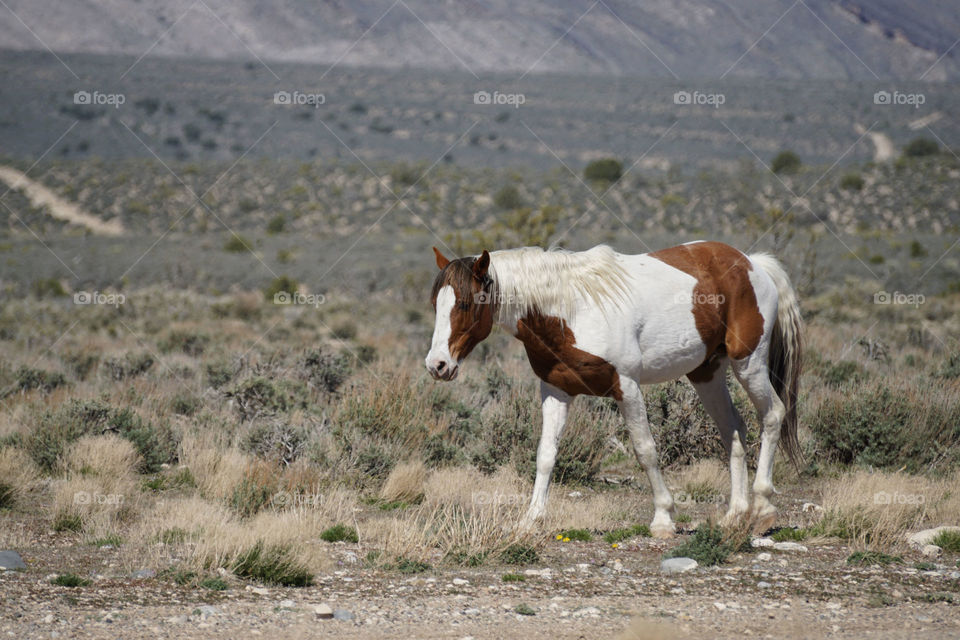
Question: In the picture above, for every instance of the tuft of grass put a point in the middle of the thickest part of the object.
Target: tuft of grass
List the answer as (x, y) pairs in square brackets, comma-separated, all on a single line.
[(619, 535), (237, 244), (786, 162), (924, 566), (405, 483), (519, 554), (213, 584), (112, 540), (409, 566), (709, 545), (788, 534), (525, 610), (604, 169), (513, 577), (949, 541), (340, 533), (576, 535), (70, 580), (866, 558), (68, 522), (272, 565)]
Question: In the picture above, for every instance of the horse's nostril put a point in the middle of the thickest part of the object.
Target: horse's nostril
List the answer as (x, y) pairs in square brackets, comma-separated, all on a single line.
[(441, 365)]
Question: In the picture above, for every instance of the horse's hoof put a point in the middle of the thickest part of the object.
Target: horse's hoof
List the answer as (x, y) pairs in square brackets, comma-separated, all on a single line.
[(764, 523), (663, 532)]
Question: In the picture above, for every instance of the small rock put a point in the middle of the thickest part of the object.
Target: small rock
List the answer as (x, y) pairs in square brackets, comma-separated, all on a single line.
[(459, 582), (789, 546), (954, 575), (287, 604), (920, 538), (720, 606), (678, 591), (260, 591), (342, 614), (809, 507), (48, 619), (323, 611), (931, 551), (763, 585), (11, 560), (678, 565), (764, 557), (143, 574), (208, 610), (471, 612), (618, 566), (574, 494), (761, 542), (586, 611), (350, 558)]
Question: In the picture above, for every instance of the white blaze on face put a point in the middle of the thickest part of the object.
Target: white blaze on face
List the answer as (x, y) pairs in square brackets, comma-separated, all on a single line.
[(440, 347)]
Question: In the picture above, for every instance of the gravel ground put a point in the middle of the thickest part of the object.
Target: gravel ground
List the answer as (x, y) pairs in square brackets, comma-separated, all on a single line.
[(579, 590)]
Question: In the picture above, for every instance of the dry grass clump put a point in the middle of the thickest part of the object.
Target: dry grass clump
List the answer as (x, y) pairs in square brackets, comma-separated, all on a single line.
[(405, 483), (875, 509), (464, 514), (100, 491), (18, 476), (704, 481)]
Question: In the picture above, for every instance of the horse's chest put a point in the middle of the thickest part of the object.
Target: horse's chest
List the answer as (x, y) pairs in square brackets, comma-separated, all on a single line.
[(550, 346)]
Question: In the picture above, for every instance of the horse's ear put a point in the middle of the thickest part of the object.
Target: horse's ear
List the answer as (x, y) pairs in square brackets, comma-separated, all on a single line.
[(481, 265), (441, 261)]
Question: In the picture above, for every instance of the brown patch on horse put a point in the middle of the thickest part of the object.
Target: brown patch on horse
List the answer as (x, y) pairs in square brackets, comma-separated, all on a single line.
[(471, 318), (550, 348), (724, 304)]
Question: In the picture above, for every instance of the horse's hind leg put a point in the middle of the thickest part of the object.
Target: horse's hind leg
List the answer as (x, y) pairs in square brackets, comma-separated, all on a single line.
[(713, 392), (635, 413), (753, 374)]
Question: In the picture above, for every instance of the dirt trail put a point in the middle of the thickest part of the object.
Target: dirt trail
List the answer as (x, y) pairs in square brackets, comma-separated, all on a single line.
[(43, 198), (884, 151)]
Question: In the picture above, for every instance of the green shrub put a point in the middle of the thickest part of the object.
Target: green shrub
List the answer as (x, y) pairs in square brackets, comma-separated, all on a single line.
[(59, 428), (788, 534), (81, 364), (524, 610), (185, 404), (277, 442), (340, 533), (28, 379), (950, 369), (852, 182), (576, 535), (949, 541), (184, 341), (111, 540), (839, 373), (213, 584), (879, 426), (619, 535), (405, 176), (513, 577), (260, 396), (508, 197), (345, 331), (272, 565), (251, 495), (48, 288), (237, 244), (280, 285), (785, 162), (219, 373), (708, 545), (408, 566), (326, 371), (130, 365), (604, 169), (519, 554), (70, 580), (920, 147), (68, 522), (866, 558), (276, 224)]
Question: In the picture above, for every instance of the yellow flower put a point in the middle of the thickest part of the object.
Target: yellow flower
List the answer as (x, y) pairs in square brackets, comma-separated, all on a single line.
[(566, 539), (559, 536), (615, 545)]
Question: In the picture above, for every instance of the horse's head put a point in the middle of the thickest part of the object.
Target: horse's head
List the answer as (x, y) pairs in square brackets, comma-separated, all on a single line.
[(464, 303)]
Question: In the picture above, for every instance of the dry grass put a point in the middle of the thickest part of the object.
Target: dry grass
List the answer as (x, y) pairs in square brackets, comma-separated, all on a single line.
[(405, 483), (18, 476), (875, 509)]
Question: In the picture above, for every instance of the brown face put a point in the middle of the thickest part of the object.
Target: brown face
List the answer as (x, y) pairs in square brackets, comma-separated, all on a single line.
[(464, 305)]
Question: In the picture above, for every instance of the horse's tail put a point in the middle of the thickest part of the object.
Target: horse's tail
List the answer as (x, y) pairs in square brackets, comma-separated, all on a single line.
[(786, 350)]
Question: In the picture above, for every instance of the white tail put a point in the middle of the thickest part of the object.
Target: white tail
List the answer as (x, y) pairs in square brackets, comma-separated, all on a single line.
[(786, 351)]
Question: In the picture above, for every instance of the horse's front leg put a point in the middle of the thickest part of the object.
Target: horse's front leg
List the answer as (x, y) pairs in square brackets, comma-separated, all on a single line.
[(555, 404)]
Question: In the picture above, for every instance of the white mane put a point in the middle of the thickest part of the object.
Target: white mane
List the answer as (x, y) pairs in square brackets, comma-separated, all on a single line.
[(552, 281)]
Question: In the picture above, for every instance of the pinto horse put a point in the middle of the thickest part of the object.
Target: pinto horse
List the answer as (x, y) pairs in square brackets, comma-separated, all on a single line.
[(601, 323)]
